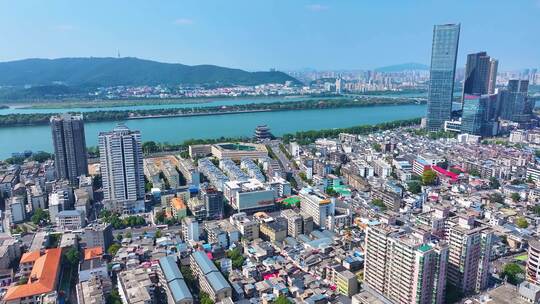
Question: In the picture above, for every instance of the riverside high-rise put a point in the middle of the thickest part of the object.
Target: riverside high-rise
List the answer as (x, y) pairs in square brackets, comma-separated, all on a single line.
[(121, 162), (69, 147)]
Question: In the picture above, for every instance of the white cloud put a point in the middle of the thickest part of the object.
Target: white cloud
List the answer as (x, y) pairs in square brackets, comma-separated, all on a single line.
[(183, 21), (317, 7)]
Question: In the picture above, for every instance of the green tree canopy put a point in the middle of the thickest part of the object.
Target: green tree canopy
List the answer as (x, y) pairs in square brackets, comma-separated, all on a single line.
[(113, 249), (521, 222), (72, 256), (429, 177), (236, 257), (205, 298), (379, 203), (40, 217), (513, 273), (474, 172), (41, 156), (282, 300), (414, 187), (496, 198)]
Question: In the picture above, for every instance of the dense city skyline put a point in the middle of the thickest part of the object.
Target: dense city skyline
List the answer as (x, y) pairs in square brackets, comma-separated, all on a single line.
[(172, 184), (269, 34)]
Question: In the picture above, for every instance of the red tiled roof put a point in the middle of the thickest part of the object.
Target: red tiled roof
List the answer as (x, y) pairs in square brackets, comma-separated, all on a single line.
[(30, 257), (43, 277), (92, 253)]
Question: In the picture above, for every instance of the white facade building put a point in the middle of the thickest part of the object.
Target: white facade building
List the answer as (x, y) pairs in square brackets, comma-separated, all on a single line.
[(122, 169)]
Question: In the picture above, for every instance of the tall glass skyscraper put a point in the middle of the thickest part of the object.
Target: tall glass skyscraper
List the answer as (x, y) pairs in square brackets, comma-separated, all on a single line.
[(442, 74), (480, 114), (477, 74), (515, 105)]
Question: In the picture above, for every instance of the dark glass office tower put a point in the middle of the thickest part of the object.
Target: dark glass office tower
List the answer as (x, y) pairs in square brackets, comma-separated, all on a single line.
[(480, 115), (477, 74), (442, 74), (515, 105), (69, 147)]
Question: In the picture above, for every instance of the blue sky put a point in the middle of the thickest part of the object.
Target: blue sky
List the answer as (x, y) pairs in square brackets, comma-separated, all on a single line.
[(261, 34)]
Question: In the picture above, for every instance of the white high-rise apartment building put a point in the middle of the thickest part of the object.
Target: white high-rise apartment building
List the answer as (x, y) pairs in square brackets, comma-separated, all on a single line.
[(317, 205), (405, 266), (122, 169)]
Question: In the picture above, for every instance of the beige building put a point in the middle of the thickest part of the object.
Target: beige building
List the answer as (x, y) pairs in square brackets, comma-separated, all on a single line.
[(135, 286), (345, 281), (236, 151), (248, 228), (470, 243)]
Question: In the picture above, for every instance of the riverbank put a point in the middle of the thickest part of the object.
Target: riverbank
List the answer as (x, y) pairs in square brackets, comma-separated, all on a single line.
[(116, 103), (179, 129), (10, 120)]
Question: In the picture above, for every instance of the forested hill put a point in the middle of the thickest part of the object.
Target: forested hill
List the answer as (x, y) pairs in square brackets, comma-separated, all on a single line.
[(76, 72)]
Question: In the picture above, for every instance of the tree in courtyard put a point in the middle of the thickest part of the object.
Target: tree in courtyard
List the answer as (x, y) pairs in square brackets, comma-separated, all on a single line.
[(113, 297), (535, 209), (513, 273), (474, 172), (72, 256), (496, 198), (113, 249), (377, 147), (236, 257), (429, 177), (522, 223), (515, 197), (40, 217), (205, 298), (414, 187), (282, 300), (379, 203), (160, 216), (494, 183)]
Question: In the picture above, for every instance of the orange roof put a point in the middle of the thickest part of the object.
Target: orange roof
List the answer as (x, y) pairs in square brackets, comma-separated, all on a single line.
[(178, 203), (92, 253), (43, 277), (30, 257)]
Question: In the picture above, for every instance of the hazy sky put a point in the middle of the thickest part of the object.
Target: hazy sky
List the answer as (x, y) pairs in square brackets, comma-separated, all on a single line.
[(260, 34)]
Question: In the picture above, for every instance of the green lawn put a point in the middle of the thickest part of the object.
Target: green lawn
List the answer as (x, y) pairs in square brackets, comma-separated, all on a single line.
[(522, 258)]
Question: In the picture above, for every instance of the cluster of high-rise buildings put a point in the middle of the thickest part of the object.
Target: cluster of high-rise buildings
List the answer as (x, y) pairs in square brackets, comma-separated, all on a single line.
[(121, 161), (482, 104)]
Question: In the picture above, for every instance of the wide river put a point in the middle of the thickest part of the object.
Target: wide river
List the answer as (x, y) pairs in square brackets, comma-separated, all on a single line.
[(178, 129)]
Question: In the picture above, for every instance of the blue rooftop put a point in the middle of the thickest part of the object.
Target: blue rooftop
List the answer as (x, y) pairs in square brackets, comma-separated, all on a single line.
[(175, 280), (170, 268), (212, 274), (204, 262), (217, 281)]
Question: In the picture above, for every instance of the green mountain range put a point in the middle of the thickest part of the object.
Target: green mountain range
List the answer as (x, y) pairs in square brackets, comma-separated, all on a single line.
[(77, 72)]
